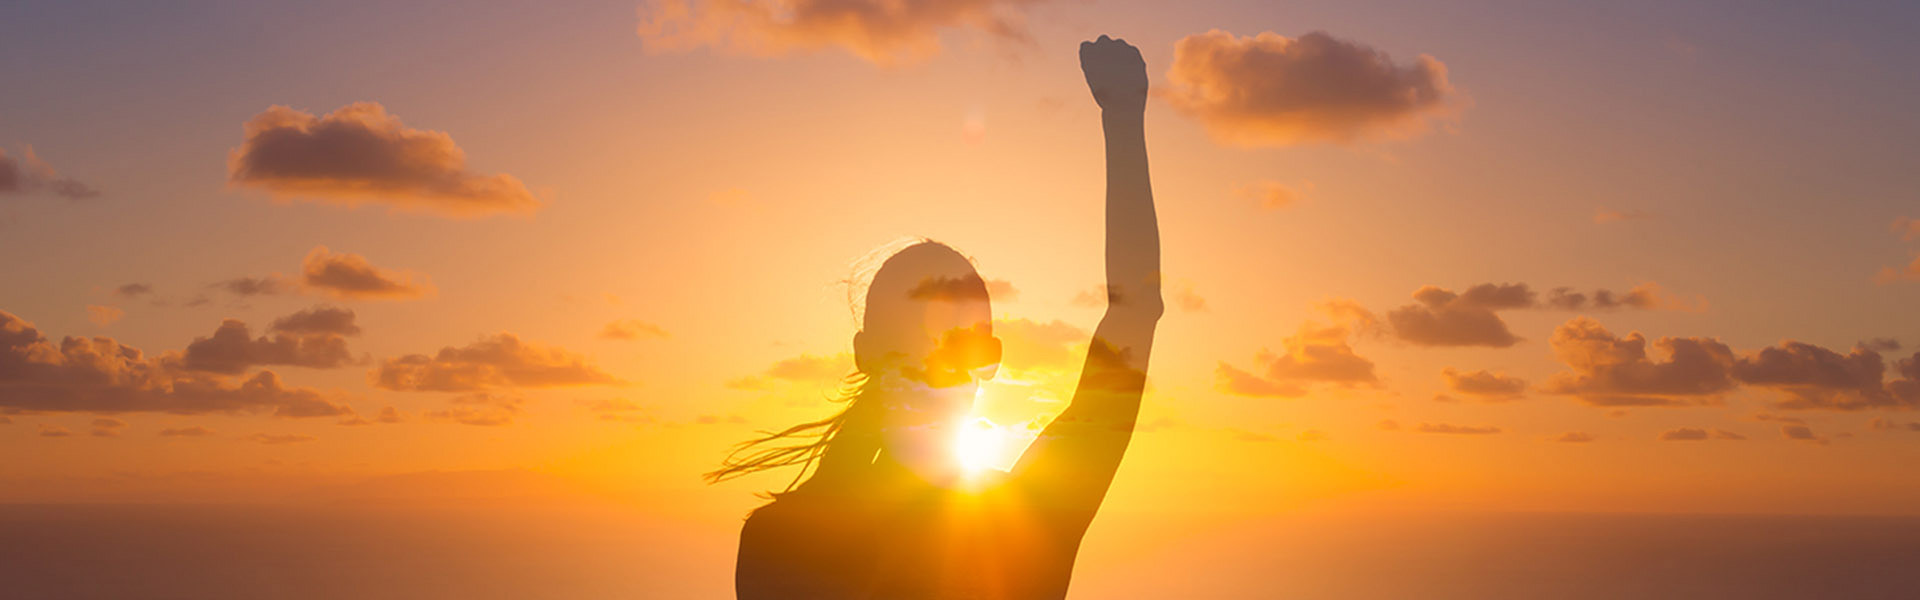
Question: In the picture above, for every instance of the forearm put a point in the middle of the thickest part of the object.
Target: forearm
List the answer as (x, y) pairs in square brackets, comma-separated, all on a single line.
[(1133, 232)]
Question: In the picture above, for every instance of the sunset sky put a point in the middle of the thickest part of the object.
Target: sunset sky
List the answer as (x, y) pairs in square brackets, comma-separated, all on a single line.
[(1618, 257)]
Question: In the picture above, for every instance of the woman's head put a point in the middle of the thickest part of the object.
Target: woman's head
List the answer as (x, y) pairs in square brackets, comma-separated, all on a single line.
[(925, 342)]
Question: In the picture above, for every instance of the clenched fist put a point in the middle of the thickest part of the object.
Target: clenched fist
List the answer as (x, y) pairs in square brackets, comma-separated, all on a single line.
[(1116, 74)]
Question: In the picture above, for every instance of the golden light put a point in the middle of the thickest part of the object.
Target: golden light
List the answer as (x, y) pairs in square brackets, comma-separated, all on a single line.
[(977, 447)]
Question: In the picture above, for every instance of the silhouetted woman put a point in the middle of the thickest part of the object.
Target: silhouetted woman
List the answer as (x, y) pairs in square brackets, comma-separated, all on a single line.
[(887, 512)]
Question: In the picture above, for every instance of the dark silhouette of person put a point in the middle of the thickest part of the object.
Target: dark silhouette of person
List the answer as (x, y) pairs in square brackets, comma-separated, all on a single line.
[(888, 512)]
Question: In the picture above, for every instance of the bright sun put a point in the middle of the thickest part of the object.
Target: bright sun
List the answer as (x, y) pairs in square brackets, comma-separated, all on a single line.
[(978, 445)]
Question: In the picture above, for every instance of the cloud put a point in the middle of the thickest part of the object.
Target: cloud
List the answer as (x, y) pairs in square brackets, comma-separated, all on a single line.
[(1800, 433), (499, 360), (1272, 195), (1907, 227), (1911, 272), (271, 285), (102, 375), (53, 431), (1611, 371), (104, 315), (1684, 434), (1269, 90), (1001, 290), (805, 368), (319, 320), (1881, 345), (350, 276), (191, 431), (1317, 354), (360, 154), (107, 427), (1574, 437), (1442, 318), (630, 329), (884, 32), (1885, 424), (1032, 345), (1456, 429), (480, 409), (1311, 435), (1186, 299), (1722, 434), (133, 290), (280, 438), (1388, 425), (30, 174), (233, 350), (1485, 385), (1813, 377), (1646, 296)]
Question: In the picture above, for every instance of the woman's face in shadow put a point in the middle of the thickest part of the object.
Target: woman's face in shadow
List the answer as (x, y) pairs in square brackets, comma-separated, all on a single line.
[(927, 360)]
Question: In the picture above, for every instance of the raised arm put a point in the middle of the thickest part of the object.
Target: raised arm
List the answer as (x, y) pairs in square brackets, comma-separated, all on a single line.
[(1074, 460)]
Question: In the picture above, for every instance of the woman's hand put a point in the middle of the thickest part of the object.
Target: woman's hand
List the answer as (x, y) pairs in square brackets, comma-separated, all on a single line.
[(1116, 74)]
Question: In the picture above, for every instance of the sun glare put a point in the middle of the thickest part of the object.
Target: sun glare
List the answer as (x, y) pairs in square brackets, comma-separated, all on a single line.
[(978, 445)]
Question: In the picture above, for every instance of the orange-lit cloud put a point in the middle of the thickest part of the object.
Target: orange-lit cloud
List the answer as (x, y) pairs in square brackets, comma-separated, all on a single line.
[(480, 409), (1646, 296), (1272, 195), (359, 154), (29, 174), (496, 361), (1456, 429), (104, 315), (805, 368), (1486, 385), (107, 427), (133, 290), (254, 286), (350, 276), (280, 438), (1800, 433), (1443, 318), (1696, 434), (1815, 377), (304, 339), (1270, 90), (1885, 424), (1574, 437), (1611, 371), (630, 329), (102, 375), (884, 32), (1316, 354), (191, 431), (1911, 272)]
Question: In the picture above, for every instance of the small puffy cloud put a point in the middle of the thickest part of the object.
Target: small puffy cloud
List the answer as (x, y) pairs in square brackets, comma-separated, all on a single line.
[(1800, 433), (805, 368), (499, 360), (350, 276), (1813, 377), (1885, 424), (1270, 90), (881, 31), (277, 439), (1881, 345), (190, 431), (1907, 227), (359, 154), (1185, 299), (1443, 318), (1456, 429), (480, 409), (1911, 272), (1388, 425), (107, 427), (100, 374), (53, 431), (271, 285), (630, 329), (133, 290), (1606, 370), (104, 315), (1722, 434), (1273, 195), (1684, 434), (1485, 385), (319, 320), (30, 174), (389, 415), (1646, 296), (1574, 437), (1316, 354), (232, 349), (1001, 290)]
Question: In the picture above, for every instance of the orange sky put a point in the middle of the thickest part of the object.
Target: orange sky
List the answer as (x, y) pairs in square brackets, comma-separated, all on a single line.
[(604, 245)]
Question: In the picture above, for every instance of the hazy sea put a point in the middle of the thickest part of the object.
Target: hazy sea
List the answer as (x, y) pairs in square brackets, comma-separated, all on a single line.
[(258, 552)]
